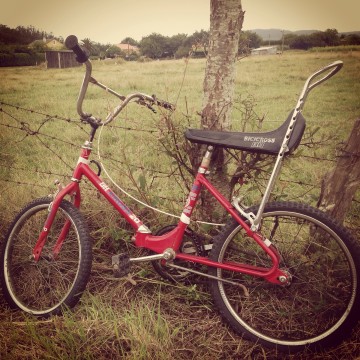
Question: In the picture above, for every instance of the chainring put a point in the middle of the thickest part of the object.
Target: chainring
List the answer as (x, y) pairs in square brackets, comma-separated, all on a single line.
[(191, 244)]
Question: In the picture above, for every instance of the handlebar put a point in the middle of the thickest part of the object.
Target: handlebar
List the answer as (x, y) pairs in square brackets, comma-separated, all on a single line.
[(72, 43), (311, 83), (335, 66)]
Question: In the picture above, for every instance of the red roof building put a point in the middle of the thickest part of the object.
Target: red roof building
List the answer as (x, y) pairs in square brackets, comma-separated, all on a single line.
[(128, 49)]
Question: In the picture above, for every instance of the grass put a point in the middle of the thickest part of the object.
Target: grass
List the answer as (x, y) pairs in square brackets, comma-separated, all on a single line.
[(149, 320), (145, 317)]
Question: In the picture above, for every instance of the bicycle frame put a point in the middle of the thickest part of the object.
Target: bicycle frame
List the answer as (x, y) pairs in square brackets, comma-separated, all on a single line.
[(143, 237)]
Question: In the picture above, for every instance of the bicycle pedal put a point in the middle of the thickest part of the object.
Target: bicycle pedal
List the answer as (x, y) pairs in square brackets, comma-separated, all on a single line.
[(121, 265)]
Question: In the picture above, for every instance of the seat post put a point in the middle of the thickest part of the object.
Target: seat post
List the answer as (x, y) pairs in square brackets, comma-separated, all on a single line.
[(205, 163)]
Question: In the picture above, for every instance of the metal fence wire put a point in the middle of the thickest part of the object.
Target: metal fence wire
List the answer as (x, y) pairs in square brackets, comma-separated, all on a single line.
[(160, 184)]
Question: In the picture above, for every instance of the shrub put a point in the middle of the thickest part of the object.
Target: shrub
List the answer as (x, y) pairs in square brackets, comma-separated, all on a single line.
[(20, 59)]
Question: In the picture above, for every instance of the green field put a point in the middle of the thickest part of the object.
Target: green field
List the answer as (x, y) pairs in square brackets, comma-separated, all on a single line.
[(133, 318)]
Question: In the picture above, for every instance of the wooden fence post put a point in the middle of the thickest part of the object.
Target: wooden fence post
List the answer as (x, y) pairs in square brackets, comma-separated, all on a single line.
[(340, 184)]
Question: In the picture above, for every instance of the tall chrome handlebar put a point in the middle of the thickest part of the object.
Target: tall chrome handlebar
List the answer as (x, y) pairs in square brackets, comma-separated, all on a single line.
[(82, 56), (311, 84), (142, 98), (83, 90)]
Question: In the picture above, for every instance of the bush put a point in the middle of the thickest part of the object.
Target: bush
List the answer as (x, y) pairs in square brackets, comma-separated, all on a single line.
[(182, 51), (20, 59), (132, 57)]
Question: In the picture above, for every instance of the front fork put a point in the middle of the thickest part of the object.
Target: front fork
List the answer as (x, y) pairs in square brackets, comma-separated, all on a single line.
[(71, 189)]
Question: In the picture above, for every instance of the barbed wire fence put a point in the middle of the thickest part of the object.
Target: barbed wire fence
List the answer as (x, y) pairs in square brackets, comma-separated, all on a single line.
[(14, 119), (27, 130)]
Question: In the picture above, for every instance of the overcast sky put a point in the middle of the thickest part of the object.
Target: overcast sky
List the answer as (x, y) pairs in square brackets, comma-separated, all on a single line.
[(110, 21)]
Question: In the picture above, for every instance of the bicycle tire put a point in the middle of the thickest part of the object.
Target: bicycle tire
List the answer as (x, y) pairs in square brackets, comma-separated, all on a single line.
[(51, 284), (320, 306)]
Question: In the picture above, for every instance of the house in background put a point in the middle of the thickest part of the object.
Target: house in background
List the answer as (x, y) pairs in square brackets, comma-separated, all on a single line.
[(128, 49), (264, 50), (56, 57), (60, 59), (51, 44)]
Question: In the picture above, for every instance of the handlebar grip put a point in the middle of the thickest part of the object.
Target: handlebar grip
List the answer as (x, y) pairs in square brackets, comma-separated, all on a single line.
[(71, 43)]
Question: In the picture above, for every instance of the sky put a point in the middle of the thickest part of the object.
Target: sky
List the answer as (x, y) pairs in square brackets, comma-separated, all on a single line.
[(110, 21)]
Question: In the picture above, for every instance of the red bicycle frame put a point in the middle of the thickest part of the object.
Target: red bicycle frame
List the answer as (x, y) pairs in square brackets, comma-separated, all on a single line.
[(171, 240)]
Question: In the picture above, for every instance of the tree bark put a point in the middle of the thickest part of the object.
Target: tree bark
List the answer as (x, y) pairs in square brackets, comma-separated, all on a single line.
[(226, 19), (341, 183)]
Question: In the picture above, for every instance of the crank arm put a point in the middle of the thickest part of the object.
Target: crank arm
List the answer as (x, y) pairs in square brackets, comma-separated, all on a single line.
[(168, 254)]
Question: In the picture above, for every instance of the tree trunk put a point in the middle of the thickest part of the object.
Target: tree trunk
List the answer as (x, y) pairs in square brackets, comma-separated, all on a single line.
[(226, 19), (341, 183), (225, 25)]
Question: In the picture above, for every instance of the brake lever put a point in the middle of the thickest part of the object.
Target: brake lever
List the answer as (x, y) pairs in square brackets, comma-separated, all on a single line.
[(150, 107), (146, 104), (166, 105)]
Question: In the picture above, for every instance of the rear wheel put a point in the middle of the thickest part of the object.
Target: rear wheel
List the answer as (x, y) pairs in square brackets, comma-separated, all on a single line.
[(46, 286), (319, 307)]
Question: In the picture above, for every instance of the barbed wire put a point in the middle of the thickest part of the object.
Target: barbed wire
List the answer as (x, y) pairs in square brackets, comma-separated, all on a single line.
[(23, 183), (77, 122), (42, 172), (29, 131), (36, 131), (25, 127), (19, 168)]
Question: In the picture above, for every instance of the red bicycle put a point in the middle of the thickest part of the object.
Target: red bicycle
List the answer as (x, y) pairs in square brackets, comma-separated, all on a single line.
[(281, 273)]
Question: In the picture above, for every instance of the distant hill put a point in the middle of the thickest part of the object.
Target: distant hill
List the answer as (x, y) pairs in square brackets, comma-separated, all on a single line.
[(276, 34), (351, 32)]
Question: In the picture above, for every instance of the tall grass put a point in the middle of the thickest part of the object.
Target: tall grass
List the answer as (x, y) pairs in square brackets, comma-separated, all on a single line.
[(142, 316)]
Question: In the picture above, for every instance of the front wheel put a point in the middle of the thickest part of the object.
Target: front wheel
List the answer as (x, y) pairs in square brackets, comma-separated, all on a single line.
[(320, 306), (54, 282)]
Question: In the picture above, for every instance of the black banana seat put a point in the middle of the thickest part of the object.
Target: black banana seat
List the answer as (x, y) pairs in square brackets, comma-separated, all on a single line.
[(262, 142)]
